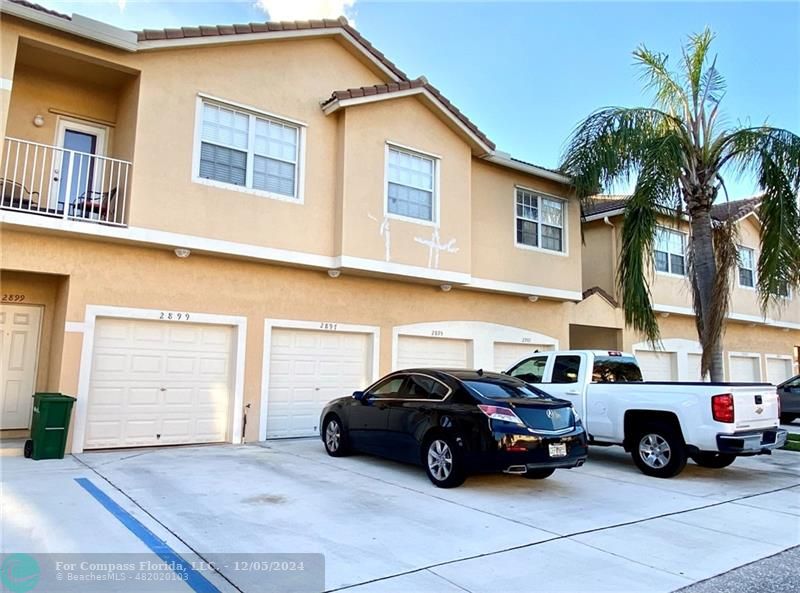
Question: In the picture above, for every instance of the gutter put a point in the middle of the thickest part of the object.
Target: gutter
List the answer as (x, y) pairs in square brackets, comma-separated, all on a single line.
[(78, 25), (504, 160)]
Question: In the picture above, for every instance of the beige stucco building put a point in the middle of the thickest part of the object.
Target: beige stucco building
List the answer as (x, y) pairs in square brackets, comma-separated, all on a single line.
[(208, 232), (756, 347)]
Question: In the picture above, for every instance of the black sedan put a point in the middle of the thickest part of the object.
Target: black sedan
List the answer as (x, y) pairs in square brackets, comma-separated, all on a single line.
[(456, 422), (789, 392)]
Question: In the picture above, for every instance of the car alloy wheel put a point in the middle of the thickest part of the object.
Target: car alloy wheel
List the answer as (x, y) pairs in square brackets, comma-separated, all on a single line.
[(333, 436), (654, 450), (440, 460)]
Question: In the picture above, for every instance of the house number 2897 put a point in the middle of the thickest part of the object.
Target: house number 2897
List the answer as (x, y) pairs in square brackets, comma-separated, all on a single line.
[(170, 316)]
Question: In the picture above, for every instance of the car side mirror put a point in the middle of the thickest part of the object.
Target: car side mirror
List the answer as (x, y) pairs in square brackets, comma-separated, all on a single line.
[(359, 395)]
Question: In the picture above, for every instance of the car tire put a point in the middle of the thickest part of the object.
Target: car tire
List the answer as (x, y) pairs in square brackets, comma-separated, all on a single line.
[(443, 462), (713, 460), (539, 474), (658, 450), (788, 418), (27, 449), (334, 436)]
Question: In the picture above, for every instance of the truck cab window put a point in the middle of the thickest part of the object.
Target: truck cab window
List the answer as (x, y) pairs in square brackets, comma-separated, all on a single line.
[(566, 369), (530, 370), (616, 369)]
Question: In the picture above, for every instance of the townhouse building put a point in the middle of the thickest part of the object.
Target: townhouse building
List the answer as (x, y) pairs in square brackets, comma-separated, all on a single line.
[(756, 347), (208, 232), (209, 223)]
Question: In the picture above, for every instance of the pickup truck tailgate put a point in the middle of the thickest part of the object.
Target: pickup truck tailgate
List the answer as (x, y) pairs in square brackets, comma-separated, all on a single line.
[(755, 407)]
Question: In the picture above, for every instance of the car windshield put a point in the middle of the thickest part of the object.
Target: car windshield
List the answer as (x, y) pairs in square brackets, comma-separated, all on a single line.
[(616, 369), (504, 389)]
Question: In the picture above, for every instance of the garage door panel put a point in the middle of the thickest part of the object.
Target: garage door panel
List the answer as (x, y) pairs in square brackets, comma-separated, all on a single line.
[(778, 370), (658, 366), (158, 378), (424, 352), (744, 369), (307, 369)]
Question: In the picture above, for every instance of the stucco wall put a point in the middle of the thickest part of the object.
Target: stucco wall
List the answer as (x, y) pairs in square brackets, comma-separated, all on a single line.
[(118, 275), (599, 256), (494, 254), (409, 123)]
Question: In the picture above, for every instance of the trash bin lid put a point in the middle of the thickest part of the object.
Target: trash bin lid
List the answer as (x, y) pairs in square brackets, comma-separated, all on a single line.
[(53, 396)]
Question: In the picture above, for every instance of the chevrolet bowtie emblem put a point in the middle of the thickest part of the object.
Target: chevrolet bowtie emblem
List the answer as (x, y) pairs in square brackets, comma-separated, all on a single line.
[(759, 409)]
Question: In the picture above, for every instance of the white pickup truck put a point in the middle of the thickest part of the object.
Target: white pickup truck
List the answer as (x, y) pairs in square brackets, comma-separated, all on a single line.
[(659, 424)]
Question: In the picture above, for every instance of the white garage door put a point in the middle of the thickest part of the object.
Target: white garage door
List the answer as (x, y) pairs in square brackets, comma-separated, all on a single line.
[(309, 368), (506, 354), (694, 361), (159, 383), (420, 352), (658, 366), (778, 370), (745, 369)]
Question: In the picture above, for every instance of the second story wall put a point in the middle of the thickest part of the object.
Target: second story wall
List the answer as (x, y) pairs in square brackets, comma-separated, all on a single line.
[(287, 79), (497, 251), (374, 229)]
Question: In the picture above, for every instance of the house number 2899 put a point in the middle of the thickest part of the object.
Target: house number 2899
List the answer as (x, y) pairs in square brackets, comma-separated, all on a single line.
[(170, 316)]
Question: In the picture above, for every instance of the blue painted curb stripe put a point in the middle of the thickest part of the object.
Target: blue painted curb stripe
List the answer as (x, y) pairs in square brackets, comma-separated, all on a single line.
[(159, 547)]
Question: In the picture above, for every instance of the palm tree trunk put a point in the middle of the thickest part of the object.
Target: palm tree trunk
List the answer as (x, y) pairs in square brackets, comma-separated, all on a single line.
[(705, 271)]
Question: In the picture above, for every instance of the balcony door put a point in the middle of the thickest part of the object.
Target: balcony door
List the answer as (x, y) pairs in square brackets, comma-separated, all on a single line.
[(76, 171)]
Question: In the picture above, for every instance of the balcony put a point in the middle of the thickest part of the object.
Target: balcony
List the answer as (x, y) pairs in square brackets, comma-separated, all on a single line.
[(59, 182)]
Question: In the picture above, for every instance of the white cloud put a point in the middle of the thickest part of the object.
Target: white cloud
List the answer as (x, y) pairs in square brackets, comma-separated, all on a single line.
[(301, 10), (121, 4)]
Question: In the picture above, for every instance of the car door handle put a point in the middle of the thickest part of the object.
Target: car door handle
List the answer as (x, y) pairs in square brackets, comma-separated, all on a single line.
[(573, 392)]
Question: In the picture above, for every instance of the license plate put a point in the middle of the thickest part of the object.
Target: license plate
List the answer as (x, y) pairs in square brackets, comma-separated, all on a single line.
[(558, 450)]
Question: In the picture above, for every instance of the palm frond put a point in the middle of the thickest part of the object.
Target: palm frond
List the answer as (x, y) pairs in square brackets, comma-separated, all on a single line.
[(774, 154), (655, 194), (608, 146), (694, 58), (655, 74)]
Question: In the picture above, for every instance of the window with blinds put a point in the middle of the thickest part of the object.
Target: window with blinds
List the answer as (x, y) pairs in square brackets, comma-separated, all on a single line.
[(249, 150)]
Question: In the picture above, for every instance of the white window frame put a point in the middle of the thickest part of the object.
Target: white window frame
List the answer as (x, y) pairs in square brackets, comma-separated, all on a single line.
[(435, 206), (253, 112), (564, 223), (669, 272), (739, 266)]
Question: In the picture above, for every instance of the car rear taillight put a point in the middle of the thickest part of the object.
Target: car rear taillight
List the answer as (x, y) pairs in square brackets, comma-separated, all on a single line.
[(501, 413), (722, 407)]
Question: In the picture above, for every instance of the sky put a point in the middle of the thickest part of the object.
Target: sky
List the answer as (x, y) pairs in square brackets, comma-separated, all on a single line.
[(527, 72)]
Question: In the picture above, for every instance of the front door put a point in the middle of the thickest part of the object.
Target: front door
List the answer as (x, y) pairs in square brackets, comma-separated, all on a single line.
[(76, 173), (19, 343)]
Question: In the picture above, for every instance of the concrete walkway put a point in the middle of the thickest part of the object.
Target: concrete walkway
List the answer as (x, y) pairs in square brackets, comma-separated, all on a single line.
[(383, 527)]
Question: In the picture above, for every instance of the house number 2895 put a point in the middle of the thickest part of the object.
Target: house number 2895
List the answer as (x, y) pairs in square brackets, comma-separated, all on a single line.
[(170, 316)]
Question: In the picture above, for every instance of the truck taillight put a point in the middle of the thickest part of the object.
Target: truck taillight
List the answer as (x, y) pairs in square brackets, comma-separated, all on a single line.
[(722, 407)]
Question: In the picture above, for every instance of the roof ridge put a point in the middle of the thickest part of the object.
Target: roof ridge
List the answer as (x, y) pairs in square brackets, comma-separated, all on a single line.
[(394, 87), (193, 32)]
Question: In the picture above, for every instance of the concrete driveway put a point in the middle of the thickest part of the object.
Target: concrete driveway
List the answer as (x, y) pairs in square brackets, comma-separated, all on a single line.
[(383, 527)]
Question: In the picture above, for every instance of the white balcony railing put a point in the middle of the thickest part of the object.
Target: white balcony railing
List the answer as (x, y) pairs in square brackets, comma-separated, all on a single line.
[(54, 181)]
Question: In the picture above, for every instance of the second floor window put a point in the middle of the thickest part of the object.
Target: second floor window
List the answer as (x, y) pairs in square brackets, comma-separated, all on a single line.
[(539, 221), (670, 251), (747, 274), (248, 150), (411, 184)]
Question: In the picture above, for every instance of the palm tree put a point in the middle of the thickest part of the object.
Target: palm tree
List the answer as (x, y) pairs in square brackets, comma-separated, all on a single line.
[(678, 152)]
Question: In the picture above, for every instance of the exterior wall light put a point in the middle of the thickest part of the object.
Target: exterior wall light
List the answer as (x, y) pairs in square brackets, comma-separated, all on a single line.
[(446, 288), (334, 273), (665, 314), (182, 252), (533, 298), (38, 120)]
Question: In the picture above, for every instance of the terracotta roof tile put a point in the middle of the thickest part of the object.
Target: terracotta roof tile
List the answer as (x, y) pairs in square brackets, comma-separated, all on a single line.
[(420, 82), (248, 28), (41, 8), (722, 211)]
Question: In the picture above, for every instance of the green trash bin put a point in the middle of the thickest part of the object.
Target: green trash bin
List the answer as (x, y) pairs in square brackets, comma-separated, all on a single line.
[(49, 426)]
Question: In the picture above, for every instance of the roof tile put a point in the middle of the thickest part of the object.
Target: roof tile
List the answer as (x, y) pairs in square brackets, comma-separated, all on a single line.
[(41, 8)]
